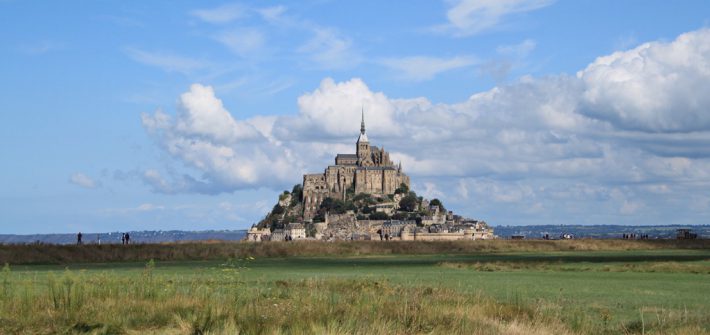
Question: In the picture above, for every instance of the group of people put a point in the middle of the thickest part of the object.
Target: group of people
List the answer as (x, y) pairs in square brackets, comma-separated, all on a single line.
[(634, 236), (385, 237), (125, 238)]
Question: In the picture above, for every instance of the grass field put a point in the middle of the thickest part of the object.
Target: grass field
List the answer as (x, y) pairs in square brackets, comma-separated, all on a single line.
[(636, 291)]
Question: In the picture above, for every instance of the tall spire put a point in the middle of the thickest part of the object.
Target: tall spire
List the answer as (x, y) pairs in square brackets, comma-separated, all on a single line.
[(362, 124), (363, 136)]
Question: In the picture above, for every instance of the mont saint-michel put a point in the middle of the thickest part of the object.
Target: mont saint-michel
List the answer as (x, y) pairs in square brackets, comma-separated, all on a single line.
[(362, 196), (369, 171)]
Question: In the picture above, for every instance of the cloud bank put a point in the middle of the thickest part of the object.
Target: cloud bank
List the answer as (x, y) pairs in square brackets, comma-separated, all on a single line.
[(630, 125)]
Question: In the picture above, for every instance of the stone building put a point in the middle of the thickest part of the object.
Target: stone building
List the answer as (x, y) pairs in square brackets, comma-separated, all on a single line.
[(369, 170), (295, 231)]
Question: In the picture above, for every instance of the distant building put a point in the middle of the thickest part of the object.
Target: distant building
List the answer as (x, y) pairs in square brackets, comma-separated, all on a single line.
[(295, 231), (258, 234)]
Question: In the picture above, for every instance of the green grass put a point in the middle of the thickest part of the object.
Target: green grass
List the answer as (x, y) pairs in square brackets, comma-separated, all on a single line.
[(656, 291)]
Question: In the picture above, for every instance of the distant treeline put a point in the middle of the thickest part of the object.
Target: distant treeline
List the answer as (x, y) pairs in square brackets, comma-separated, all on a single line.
[(68, 254)]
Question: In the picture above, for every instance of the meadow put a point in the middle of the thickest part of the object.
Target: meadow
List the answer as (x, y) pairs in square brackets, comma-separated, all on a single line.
[(498, 287)]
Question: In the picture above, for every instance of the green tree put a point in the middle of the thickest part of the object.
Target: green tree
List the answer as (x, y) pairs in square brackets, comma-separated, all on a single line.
[(409, 203), (437, 202), (402, 189)]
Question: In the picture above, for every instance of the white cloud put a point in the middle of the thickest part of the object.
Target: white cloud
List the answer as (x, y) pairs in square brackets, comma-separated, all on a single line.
[(521, 50), (230, 153), (147, 207), (82, 180), (655, 87), (470, 17), (39, 48), (273, 14), (222, 14), (430, 191), (243, 42), (330, 50), (168, 62), (420, 68)]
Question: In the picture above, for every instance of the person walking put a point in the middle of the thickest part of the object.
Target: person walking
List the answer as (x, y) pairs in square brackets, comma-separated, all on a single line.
[(128, 239), (78, 238), (123, 238)]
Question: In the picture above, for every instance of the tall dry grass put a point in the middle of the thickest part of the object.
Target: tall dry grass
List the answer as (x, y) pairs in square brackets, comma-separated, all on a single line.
[(99, 303), (65, 254)]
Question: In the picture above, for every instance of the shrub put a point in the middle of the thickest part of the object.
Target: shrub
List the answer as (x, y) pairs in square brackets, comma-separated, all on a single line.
[(379, 216), (277, 209), (402, 189), (437, 202), (409, 203)]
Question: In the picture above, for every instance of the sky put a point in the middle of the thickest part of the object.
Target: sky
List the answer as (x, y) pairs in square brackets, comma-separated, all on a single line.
[(195, 115)]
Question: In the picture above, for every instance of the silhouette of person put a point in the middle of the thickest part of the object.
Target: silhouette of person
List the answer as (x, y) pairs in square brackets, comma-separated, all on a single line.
[(128, 238), (123, 238), (78, 238)]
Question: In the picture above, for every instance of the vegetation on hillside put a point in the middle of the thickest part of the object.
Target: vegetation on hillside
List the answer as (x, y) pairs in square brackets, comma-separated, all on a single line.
[(361, 205)]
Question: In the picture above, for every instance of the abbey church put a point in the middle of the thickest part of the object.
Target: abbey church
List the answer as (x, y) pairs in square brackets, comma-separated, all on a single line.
[(369, 170)]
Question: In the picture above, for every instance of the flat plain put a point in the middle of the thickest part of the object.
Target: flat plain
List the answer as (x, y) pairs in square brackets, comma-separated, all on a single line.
[(515, 289)]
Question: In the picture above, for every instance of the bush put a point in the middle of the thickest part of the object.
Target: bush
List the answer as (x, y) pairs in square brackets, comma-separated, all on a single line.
[(379, 216), (409, 203), (402, 189), (399, 216), (296, 194), (277, 209), (361, 196), (336, 206), (437, 202)]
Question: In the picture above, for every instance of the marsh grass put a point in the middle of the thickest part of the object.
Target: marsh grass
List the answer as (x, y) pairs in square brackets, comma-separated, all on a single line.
[(145, 302), (647, 267), (67, 254)]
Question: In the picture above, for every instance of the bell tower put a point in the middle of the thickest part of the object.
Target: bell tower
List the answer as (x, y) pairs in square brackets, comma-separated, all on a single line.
[(363, 145)]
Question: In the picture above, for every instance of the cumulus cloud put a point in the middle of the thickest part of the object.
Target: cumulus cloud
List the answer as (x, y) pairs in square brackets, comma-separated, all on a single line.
[(557, 143), (230, 153), (470, 17), (655, 87), (83, 180)]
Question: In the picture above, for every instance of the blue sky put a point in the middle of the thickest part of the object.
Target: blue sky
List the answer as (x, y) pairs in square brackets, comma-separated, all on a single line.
[(194, 115)]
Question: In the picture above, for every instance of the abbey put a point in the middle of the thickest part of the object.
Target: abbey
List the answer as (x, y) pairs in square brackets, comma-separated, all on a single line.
[(369, 170)]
